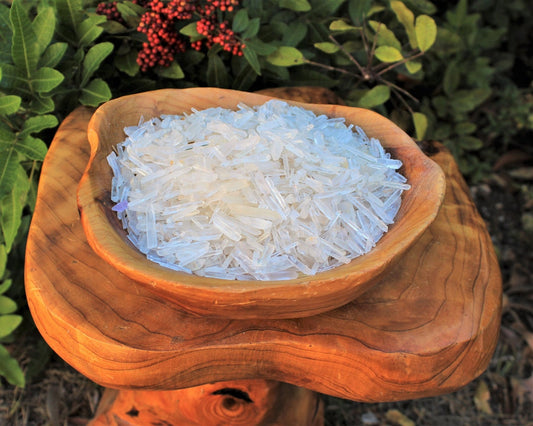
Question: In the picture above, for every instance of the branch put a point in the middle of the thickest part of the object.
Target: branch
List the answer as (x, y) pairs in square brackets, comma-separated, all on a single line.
[(335, 69), (373, 49), (363, 71), (403, 61), (399, 89)]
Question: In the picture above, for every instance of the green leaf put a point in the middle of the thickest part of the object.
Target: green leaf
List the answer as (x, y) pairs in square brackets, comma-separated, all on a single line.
[(260, 47), (306, 77), (217, 75), (45, 79), (42, 105), (244, 79), (421, 124), (278, 26), (53, 55), (135, 8), (192, 57), (448, 42), (7, 283), (327, 47), (423, 6), (9, 104), (358, 10), (465, 128), (252, 29), (407, 19), (173, 71), (451, 78), (384, 36), (11, 206), (295, 33), (94, 57), (296, 5), (44, 26), (8, 171), (457, 17), (10, 369), (321, 8), (113, 27), (426, 32), (24, 48), (130, 13), (6, 32), (7, 136), (470, 143), (7, 305), (12, 78), (388, 54), (38, 123), (127, 63), (95, 93), (191, 31), (342, 26), (8, 324), (255, 7), (70, 13), (376, 96), (252, 60), (3, 262), (286, 56), (467, 100), (240, 21), (413, 66), (32, 148), (89, 30)]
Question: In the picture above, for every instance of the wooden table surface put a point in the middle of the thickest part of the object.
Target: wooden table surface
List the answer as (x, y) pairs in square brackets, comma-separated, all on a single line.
[(428, 327)]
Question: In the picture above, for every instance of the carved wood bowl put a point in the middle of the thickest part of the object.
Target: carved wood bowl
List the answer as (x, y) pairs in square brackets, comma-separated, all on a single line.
[(304, 296)]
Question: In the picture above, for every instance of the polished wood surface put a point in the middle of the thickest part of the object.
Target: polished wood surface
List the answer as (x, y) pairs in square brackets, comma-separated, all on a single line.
[(244, 402), (429, 326), (304, 296)]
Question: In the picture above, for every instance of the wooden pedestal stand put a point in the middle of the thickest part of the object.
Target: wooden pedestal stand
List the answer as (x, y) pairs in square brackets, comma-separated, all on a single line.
[(428, 327)]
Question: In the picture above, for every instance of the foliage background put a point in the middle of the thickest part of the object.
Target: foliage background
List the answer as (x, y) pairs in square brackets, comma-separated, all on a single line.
[(459, 72)]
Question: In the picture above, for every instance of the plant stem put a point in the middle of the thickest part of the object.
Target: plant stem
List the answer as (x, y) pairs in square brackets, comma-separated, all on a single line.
[(373, 49), (403, 61), (399, 89), (395, 90), (364, 72), (330, 68)]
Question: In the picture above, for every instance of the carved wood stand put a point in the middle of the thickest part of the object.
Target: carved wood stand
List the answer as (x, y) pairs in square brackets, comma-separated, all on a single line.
[(428, 326)]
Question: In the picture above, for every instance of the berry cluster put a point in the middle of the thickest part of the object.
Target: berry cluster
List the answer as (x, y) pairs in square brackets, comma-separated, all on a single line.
[(211, 6), (164, 41), (159, 23), (218, 33), (110, 11)]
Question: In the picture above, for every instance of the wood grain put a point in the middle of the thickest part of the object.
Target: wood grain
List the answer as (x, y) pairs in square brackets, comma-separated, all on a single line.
[(428, 327), (246, 402), (303, 296)]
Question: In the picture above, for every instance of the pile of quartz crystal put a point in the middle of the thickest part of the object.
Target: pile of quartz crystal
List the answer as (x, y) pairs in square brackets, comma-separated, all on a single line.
[(264, 193)]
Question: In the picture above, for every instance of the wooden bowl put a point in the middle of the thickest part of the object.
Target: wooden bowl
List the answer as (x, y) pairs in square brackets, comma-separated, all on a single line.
[(304, 296)]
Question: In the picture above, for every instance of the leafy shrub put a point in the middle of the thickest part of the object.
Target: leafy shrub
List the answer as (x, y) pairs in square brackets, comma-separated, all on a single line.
[(45, 62)]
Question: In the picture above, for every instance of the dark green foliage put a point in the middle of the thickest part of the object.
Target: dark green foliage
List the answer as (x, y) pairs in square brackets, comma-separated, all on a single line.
[(47, 56)]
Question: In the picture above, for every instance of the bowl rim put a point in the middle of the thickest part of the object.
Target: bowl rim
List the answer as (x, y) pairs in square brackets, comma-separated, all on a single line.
[(179, 284)]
